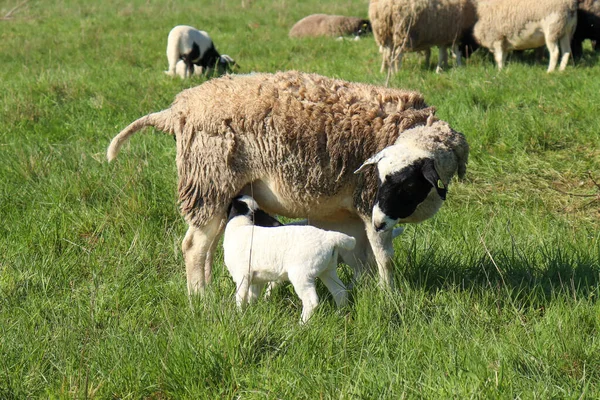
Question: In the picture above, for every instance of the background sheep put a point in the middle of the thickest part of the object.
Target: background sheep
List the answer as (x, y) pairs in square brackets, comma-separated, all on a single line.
[(588, 26), (194, 47), (255, 255), (416, 25), (293, 141), (330, 25), (505, 25)]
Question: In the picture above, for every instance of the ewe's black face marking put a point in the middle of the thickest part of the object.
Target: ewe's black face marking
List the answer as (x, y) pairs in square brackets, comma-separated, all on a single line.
[(401, 192)]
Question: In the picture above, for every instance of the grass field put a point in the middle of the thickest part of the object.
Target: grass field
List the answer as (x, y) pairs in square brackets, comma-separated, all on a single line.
[(497, 296)]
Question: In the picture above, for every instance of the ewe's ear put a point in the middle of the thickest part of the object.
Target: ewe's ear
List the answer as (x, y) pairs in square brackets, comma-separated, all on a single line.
[(373, 160), (429, 172)]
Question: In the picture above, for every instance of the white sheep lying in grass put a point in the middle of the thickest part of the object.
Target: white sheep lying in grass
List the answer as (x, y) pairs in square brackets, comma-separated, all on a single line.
[(255, 255), (293, 141), (506, 25), (194, 47)]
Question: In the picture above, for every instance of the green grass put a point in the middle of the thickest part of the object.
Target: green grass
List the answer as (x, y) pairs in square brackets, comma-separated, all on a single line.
[(497, 295)]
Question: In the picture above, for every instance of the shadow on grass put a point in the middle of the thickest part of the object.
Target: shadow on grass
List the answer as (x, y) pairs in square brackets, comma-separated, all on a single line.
[(541, 274)]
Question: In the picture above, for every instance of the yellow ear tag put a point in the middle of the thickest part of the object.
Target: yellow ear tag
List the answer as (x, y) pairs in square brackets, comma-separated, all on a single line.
[(440, 184)]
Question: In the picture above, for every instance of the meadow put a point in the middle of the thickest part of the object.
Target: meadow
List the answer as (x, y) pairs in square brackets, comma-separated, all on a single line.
[(497, 296)]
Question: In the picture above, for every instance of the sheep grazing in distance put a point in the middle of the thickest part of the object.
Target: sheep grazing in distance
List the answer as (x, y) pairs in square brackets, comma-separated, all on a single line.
[(330, 25), (293, 141), (588, 26), (417, 25), (255, 255), (194, 47), (506, 25)]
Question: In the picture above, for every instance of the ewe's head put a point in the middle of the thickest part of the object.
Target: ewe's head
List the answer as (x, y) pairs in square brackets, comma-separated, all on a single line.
[(414, 174), (247, 207)]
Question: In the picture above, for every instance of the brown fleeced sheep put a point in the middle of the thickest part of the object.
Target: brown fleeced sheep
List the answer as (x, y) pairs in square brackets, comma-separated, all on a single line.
[(293, 141), (506, 25), (329, 25), (417, 25)]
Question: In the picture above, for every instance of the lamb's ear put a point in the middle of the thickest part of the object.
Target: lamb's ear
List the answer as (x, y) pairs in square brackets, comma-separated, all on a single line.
[(429, 172), (373, 160)]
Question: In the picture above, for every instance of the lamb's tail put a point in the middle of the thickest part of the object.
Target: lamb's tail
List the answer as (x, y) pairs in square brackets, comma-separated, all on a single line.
[(345, 242), (160, 120)]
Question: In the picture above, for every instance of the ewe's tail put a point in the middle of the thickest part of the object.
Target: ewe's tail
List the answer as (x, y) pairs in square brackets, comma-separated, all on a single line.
[(345, 242), (160, 120)]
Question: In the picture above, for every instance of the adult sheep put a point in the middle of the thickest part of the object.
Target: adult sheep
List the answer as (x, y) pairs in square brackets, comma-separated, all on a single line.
[(330, 25), (588, 26), (506, 25), (401, 26), (293, 141), (194, 47)]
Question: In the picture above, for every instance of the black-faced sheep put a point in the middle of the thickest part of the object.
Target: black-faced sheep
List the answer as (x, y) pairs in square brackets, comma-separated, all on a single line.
[(417, 25), (506, 25), (330, 25), (255, 255), (292, 141), (194, 47), (588, 26)]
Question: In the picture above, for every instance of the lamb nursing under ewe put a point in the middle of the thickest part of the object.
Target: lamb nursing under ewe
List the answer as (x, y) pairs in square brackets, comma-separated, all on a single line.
[(194, 47), (506, 25), (293, 141), (255, 255)]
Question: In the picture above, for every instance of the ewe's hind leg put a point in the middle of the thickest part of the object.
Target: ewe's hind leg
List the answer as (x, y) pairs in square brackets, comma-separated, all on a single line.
[(196, 246), (565, 48), (554, 53), (442, 59)]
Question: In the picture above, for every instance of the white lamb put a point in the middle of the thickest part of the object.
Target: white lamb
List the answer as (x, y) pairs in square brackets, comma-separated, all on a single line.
[(256, 255), (194, 47)]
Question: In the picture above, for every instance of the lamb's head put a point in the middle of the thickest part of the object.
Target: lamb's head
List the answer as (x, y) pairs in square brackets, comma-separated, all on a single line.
[(247, 207), (225, 64), (414, 174)]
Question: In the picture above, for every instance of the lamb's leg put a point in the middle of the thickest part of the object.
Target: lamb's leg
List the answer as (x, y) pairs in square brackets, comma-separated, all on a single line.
[(334, 284), (554, 53), (172, 56), (565, 48), (383, 250), (241, 293), (307, 292), (270, 287), (255, 291), (196, 246)]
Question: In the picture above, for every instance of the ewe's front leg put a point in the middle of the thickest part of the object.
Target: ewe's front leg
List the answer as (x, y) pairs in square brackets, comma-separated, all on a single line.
[(196, 247), (565, 48), (383, 250)]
